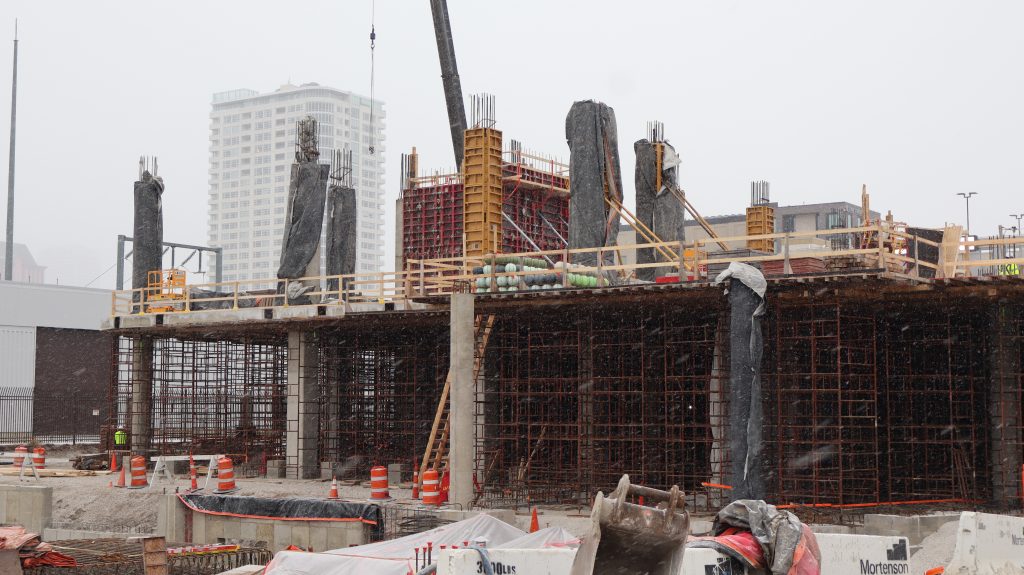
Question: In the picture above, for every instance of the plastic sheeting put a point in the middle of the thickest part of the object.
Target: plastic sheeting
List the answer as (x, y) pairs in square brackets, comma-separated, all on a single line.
[(284, 509), (789, 546), (148, 229), (395, 557), (658, 209), (746, 302), (543, 538), (589, 128), (307, 195), (341, 233)]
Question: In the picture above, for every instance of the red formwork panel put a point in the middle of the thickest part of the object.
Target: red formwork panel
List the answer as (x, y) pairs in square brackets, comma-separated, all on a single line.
[(540, 214), (432, 216), (538, 203), (432, 222)]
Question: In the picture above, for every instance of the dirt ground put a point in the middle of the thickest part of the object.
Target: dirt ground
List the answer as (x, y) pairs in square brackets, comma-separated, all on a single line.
[(91, 503)]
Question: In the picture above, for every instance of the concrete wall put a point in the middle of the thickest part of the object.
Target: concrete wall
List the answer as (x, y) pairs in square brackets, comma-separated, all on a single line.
[(27, 505), (173, 523)]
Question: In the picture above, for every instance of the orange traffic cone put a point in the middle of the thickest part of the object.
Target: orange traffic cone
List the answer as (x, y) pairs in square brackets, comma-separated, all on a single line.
[(415, 484), (113, 461), (534, 522), (334, 489), (192, 472), (120, 478)]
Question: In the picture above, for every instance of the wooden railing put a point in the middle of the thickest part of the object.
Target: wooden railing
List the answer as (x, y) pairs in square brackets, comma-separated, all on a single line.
[(433, 278)]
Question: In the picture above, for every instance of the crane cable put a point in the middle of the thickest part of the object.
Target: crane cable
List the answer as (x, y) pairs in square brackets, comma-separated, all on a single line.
[(373, 40)]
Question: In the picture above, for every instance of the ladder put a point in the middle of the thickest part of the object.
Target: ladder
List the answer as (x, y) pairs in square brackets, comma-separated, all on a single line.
[(436, 454)]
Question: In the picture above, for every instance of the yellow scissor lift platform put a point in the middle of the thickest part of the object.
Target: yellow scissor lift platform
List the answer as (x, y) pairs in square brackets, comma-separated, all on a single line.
[(164, 290)]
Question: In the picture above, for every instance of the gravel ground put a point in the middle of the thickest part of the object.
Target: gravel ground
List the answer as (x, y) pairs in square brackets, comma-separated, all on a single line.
[(936, 549)]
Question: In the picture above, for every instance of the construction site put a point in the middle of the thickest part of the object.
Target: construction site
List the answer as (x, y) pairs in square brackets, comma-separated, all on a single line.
[(864, 380)]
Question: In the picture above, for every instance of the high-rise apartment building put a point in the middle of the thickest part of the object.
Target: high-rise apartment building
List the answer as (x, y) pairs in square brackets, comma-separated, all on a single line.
[(252, 147)]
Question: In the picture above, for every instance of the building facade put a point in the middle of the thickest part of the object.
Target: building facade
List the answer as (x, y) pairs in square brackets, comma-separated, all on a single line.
[(252, 147), (25, 269)]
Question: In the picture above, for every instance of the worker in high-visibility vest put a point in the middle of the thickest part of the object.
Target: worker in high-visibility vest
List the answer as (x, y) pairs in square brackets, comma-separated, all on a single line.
[(1012, 270), (120, 438)]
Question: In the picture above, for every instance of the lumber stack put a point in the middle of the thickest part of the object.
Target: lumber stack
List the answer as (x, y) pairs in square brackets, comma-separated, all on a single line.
[(800, 266)]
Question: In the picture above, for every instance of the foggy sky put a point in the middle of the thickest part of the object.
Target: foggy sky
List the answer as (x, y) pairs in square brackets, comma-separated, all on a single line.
[(918, 100)]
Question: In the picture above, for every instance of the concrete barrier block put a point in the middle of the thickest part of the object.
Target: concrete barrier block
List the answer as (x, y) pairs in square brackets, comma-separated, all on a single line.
[(837, 529), (265, 531), (844, 554), (214, 528), (282, 536), (231, 528), (247, 530), (532, 561), (199, 528), (337, 536), (395, 471), (13, 514), (300, 534), (356, 534), (988, 543), (318, 536)]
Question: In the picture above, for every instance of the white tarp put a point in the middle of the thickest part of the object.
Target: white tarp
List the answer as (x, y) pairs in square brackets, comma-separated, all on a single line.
[(748, 274), (547, 537), (394, 557)]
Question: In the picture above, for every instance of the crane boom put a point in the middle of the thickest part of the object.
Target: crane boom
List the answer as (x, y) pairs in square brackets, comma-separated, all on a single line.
[(450, 77)]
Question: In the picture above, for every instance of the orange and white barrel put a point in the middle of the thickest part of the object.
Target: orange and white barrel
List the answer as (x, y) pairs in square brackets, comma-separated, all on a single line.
[(379, 483), (225, 476), (431, 496), (138, 467), (19, 455), (39, 458)]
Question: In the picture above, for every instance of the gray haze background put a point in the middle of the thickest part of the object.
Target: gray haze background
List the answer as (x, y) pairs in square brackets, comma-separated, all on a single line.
[(917, 99)]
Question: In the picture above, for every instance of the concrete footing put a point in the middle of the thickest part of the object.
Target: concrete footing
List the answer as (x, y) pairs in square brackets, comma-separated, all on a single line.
[(30, 506)]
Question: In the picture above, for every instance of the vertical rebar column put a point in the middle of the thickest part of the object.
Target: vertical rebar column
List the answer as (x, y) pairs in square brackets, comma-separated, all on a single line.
[(142, 393), (1005, 404)]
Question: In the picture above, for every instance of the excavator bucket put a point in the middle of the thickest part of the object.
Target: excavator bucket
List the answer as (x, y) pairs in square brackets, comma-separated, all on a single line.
[(629, 538)]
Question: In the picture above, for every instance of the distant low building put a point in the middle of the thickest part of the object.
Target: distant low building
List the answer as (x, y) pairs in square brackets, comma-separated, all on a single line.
[(25, 268), (794, 218), (55, 364)]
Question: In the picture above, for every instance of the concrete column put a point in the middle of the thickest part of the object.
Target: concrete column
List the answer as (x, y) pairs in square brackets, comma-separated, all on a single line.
[(462, 440), (142, 394), (302, 434)]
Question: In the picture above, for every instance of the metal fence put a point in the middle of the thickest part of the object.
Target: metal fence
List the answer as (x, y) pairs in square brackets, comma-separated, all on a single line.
[(15, 414), (66, 416)]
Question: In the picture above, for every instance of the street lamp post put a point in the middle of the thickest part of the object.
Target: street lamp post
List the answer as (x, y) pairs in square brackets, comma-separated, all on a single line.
[(967, 196)]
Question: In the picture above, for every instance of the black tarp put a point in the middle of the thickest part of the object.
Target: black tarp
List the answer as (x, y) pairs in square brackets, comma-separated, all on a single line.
[(658, 209), (925, 253), (589, 129), (341, 233), (307, 195), (148, 229), (283, 508), (746, 412)]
